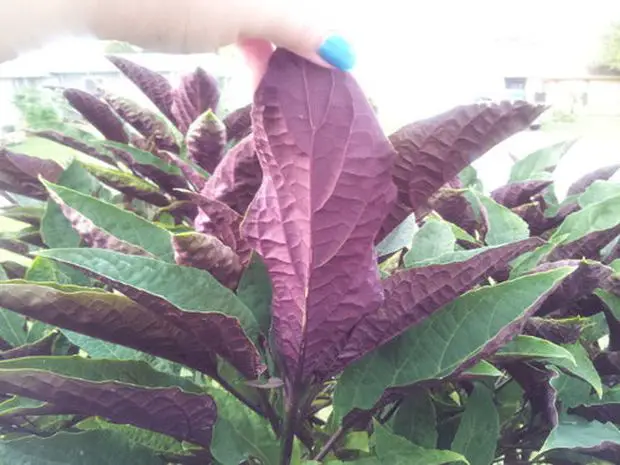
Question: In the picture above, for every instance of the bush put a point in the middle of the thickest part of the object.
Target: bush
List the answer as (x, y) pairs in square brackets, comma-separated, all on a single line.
[(39, 108), (303, 289)]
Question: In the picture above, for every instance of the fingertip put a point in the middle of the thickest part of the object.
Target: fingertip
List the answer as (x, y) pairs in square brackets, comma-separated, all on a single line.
[(338, 52), (256, 53)]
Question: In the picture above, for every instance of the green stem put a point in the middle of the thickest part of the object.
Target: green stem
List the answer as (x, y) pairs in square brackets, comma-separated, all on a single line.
[(329, 444), (251, 405), (288, 433)]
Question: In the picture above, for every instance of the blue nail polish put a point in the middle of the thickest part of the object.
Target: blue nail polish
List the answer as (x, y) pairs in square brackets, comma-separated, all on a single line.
[(337, 52)]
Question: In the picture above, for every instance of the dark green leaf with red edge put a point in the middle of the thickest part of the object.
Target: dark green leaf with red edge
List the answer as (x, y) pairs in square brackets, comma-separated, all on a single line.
[(433, 151), (111, 317), (237, 178), (601, 174), (587, 247), (162, 287), (587, 277), (518, 193), (326, 188), (454, 205), (238, 123), (206, 141), (75, 144), (210, 254), (539, 164), (148, 123), (155, 86), (76, 385), (412, 296), (129, 184), (193, 174), (197, 93), (20, 173), (66, 448), (102, 225), (97, 113), (452, 339), (41, 347)]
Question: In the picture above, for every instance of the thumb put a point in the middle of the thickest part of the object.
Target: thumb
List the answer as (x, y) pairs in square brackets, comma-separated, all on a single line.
[(301, 27)]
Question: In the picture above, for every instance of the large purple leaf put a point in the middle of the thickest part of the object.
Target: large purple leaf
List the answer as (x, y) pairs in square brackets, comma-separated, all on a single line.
[(238, 123), (237, 177), (74, 143), (186, 416), (210, 254), (601, 174), (326, 188), (586, 278), (588, 246), (111, 317), (155, 86), (433, 151), (197, 93), (20, 173), (518, 193), (98, 114), (145, 121), (206, 140), (413, 295)]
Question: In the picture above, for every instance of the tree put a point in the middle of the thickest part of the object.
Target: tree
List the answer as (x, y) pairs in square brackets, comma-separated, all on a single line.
[(610, 57)]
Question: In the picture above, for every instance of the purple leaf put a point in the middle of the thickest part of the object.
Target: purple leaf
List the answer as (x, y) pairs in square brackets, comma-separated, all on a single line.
[(197, 93), (20, 173), (145, 121), (182, 415), (433, 151), (218, 219), (588, 246), (454, 206), (581, 283), (111, 317), (75, 144), (601, 174), (518, 193), (98, 114), (152, 84), (325, 192), (237, 177), (13, 270), (190, 172), (556, 331), (206, 140), (210, 254), (14, 245), (413, 295), (238, 123), (43, 346)]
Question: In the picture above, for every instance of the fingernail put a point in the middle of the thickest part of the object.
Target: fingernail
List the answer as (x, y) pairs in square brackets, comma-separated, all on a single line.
[(337, 52)]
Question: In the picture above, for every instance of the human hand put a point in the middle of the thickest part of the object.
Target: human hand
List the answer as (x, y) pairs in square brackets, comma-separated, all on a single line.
[(181, 26)]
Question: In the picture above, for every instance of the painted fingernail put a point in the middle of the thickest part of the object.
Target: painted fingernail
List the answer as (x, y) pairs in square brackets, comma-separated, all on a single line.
[(337, 52)]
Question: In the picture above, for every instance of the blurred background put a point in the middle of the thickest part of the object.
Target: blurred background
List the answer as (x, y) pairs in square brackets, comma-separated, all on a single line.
[(416, 59)]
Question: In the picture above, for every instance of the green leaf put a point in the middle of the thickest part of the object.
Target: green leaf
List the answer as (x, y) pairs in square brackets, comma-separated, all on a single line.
[(45, 270), (17, 403), (571, 391), (416, 419), (576, 433), (357, 441), (91, 447), (612, 301), (56, 230), (164, 280), (478, 432), (400, 238), (254, 290), (537, 165), (434, 239), (143, 157), (484, 369), (469, 178), (599, 191), (396, 450), (504, 225), (598, 216), (240, 433), (113, 221), (529, 260), (530, 347), (583, 367), (129, 372), (466, 328), (12, 328), (96, 348), (158, 442)]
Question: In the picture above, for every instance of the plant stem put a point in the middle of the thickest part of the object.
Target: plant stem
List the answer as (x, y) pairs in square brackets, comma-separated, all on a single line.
[(330, 443), (288, 433), (251, 405), (270, 412)]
